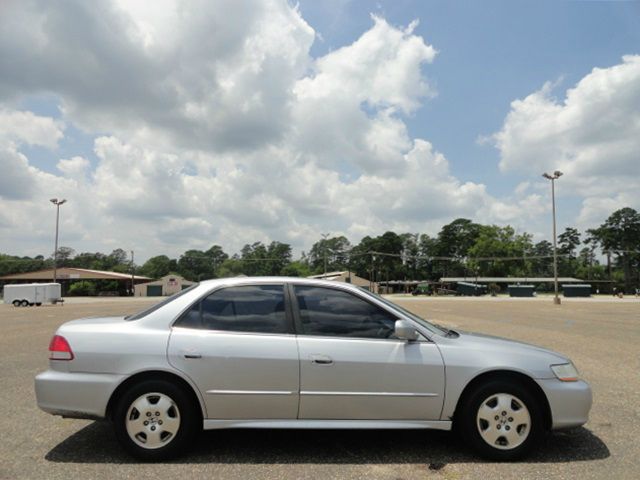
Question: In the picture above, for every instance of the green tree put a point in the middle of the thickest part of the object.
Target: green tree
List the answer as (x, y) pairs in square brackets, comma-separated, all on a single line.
[(542, 263), (455, 240), (195, 265), (495, 241), (620, 235), (158, 266), (217, 257), (296, 269), (380, 257), (410, 252), (231, 267), (334, 251), (568, 242), (65, 256), (259, 259), (82, 288)]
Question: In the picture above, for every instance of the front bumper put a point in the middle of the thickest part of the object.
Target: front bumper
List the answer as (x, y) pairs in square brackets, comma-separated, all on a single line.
[(75, 395), (570, 402)]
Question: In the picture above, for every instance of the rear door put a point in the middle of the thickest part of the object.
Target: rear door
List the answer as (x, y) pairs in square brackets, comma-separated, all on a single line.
[(352, 366), (237, 345)]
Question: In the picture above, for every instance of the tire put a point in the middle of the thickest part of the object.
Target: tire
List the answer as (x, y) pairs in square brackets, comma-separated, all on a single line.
[(24, 303), (156, 420), (38, 304), (16, 303), (501, 420)]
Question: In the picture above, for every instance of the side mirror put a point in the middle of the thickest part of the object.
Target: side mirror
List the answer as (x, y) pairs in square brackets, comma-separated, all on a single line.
[(405, 330)]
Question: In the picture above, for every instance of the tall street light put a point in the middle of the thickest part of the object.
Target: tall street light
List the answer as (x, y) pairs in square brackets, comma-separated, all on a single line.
[(57, 203), (556, 175), (324, 245)]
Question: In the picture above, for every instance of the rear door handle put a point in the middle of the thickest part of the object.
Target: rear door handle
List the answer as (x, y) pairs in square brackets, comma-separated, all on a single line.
[(321, 359)]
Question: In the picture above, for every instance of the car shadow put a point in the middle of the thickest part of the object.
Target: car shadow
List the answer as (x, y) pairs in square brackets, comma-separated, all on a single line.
[(96, 443)]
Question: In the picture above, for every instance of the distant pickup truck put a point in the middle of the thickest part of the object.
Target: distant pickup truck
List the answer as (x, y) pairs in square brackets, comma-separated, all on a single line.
[(30, 294)]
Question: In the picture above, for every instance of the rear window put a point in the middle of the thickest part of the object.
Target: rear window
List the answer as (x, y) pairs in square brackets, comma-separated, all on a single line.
[(157, 306)]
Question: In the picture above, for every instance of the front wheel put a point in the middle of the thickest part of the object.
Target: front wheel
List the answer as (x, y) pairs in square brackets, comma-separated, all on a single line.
[(501, 420), (155, 420)]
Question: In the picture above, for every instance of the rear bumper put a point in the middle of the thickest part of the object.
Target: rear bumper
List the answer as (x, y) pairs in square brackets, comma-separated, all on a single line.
[(75, 395), (570, 402)]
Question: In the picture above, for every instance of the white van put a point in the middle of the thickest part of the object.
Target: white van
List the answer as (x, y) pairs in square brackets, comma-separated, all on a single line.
[(29, 294)]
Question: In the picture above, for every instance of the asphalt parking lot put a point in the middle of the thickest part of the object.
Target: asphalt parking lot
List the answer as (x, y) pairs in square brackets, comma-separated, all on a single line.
[(602, 336)]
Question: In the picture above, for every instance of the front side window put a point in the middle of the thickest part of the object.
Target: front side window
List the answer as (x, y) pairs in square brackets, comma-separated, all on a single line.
[(250, 308), (330, 312)]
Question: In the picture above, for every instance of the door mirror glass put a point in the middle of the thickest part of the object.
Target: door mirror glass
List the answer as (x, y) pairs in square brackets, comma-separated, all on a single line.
[(405, 330)]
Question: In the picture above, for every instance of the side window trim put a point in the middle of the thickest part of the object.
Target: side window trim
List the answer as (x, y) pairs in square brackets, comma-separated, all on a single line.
[(298, 319), (289, 313)]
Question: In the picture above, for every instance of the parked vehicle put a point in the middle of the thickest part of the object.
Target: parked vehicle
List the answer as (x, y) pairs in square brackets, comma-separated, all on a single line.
[(280, 352), (421, 289), (30, 294)]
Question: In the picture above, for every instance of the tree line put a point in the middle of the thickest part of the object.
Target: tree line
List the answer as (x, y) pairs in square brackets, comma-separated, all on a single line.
[(461, 248)]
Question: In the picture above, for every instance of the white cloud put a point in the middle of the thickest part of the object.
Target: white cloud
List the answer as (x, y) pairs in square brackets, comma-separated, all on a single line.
[(592, 135), (213, 124), (26, 127), (76, 167)]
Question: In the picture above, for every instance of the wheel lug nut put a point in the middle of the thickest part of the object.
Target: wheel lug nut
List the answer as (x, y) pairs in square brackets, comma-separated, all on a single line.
[(153, 428), (499, 426), (157, 414), (497, 417), (507, 427), (146, 423), (159, 422), (148, 414), (504, 413), (511, 419)]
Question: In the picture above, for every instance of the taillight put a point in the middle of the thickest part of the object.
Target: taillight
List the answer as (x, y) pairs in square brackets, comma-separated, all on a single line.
[(59, 349)]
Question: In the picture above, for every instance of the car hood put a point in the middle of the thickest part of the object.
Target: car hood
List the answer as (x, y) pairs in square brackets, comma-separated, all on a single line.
[(490, 342), (470, 354)]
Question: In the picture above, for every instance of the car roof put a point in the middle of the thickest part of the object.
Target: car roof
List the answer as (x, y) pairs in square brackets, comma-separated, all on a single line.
[(273, 279)]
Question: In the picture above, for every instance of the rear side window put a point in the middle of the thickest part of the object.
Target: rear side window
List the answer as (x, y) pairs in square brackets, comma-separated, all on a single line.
[(251, 308), (326, 311)]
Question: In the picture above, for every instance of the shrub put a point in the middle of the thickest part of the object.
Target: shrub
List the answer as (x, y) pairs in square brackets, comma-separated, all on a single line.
[(82, 289)]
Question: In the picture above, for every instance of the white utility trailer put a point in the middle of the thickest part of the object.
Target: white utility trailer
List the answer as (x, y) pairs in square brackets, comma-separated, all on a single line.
[(29, 294)]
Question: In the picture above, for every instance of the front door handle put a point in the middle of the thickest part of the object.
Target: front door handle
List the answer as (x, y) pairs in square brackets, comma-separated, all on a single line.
[(191, 353), (321, 359)]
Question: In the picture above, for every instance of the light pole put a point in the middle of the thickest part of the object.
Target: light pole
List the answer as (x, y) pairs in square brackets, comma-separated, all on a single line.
[(132, 276), (556, 175), (57, 203), (324, 249)]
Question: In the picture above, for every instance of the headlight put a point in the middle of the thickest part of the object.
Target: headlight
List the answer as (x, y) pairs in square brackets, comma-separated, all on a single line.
[(565, 372)]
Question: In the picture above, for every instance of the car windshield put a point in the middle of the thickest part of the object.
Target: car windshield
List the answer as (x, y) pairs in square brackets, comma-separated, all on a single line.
[(428, 325), (161, 304)]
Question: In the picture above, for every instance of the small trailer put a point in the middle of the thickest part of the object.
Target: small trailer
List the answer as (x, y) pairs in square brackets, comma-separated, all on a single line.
[(30, 294)]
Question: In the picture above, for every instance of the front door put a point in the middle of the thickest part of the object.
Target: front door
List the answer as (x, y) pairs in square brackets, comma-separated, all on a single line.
[(352, 367), (237, 346)]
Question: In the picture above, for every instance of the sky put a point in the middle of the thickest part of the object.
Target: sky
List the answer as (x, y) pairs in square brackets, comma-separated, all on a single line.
[(171, 125)]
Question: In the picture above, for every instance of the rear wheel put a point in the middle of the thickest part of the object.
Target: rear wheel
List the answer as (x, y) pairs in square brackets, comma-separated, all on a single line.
[(156, 420), (16, 303), (24, 303), (501, 420)]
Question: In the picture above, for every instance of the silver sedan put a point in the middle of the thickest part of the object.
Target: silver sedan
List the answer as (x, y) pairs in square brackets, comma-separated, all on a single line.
[(294, 353)]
